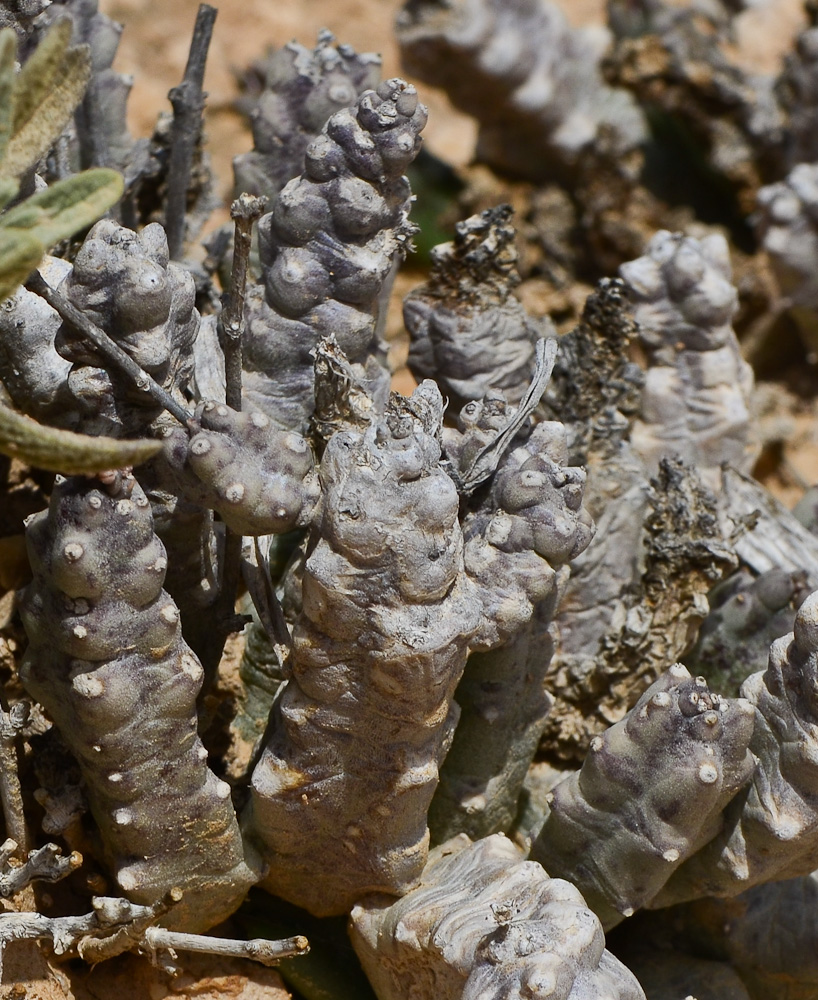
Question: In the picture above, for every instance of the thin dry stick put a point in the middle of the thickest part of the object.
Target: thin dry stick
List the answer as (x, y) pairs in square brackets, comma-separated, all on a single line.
[(115, 926), (188, 104), (46, 864), (244, 211), (280, 635), (259, 949), (11, 724), (226, 617), (110, 350)]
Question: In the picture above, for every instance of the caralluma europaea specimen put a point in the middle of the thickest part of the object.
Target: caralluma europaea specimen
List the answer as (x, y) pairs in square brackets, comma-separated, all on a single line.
[(512, 606)]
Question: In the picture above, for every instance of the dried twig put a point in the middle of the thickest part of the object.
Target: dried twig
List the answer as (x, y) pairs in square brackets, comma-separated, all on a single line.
[(188, 104), (46, 864), (116, 925), (258, 949), (244, 211), (108, 348), (11, 725), (258, 580)]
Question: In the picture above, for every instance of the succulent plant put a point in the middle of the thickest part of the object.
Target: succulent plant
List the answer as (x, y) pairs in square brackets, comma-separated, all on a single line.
[(299, 90), (618, 836), (467, 330), (327, 249), (36, 103), (484, 922), (112, 664), (786, 227), (523, 72), (684, 302), (538, 599), (375, 661)]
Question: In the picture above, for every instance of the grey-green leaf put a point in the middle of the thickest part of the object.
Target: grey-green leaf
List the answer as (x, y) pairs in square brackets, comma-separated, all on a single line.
[(41, 71), (8, 50), (41, 130), (67, 452), (8, 189), (20, 253), (71, 204)]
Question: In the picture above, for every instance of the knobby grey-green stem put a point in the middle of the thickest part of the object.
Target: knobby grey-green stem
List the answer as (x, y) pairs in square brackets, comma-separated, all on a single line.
[(108, 348)]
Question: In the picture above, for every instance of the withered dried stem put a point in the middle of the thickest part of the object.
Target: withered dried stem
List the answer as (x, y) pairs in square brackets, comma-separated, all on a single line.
[(11, 723), (188, 103), (46, 864), (258, 949), (244, 211), (115, 926)]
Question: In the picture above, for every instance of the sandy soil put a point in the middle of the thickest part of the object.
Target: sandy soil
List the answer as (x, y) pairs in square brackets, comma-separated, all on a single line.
[(154, 50)]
